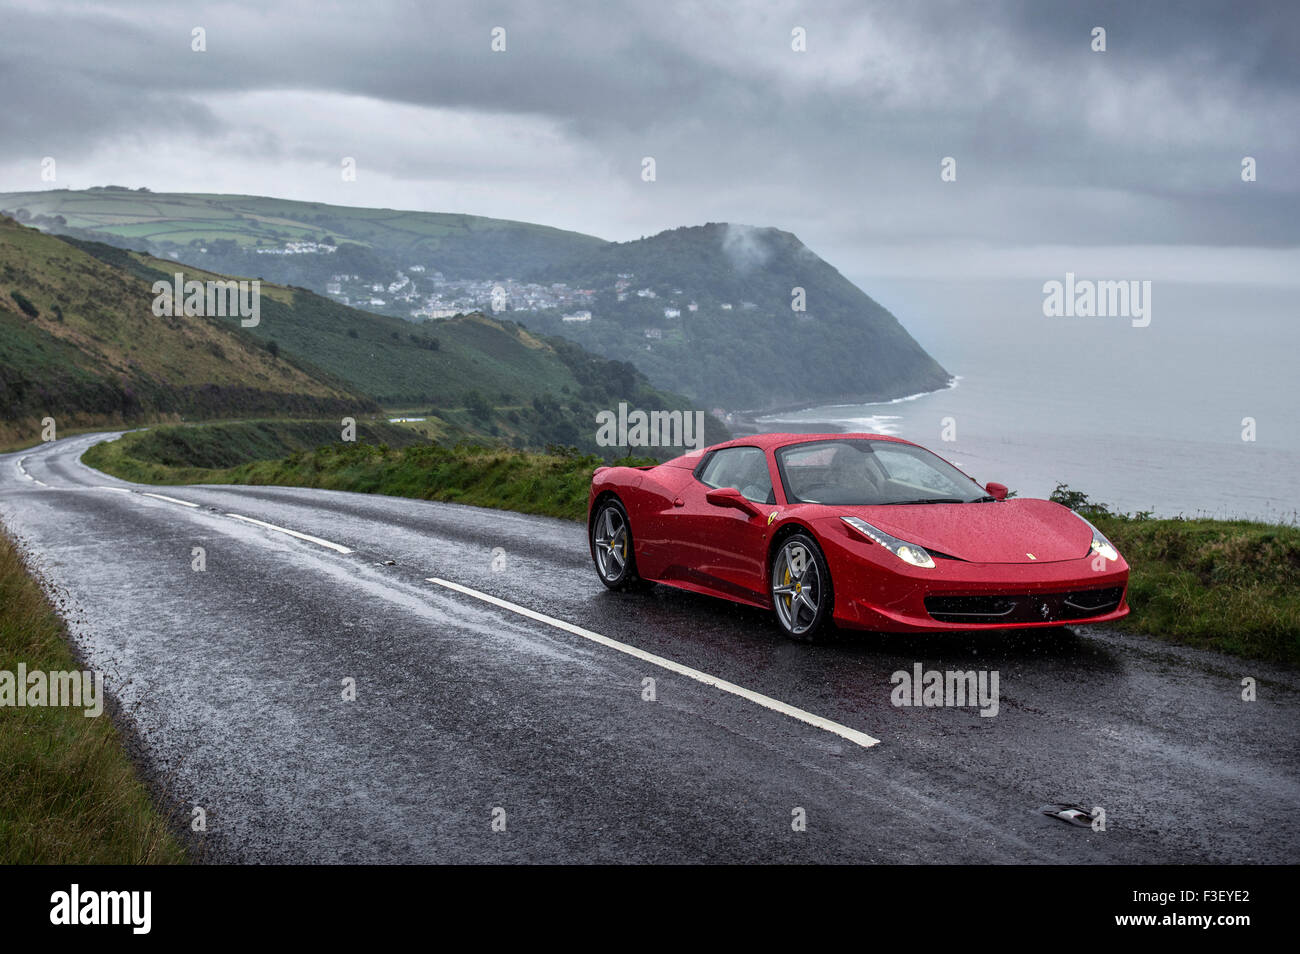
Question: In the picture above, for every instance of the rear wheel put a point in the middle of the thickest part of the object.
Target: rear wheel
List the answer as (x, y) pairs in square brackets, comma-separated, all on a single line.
[(611, 546), (801, 588)]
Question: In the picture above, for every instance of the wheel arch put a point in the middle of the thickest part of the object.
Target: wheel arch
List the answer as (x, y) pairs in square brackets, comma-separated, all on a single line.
[(609, 493), (601, 497), (782, 533)]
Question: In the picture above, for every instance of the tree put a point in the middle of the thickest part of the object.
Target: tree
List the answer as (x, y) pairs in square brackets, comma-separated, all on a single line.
[(478, 405)]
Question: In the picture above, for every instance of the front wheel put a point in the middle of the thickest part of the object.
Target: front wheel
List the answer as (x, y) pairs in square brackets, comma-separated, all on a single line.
[(801, 588), (611, 546)]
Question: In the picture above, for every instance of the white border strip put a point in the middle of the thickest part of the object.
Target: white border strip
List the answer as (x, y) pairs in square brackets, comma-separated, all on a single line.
[(293, 533), (183, 503), (843, 731)]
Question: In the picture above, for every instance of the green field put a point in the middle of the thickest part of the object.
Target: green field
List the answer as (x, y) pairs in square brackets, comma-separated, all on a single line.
[(183, 218)]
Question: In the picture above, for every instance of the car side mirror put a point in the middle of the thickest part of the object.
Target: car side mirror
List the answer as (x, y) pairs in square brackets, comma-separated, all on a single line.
[(997, 491), (730, 497)]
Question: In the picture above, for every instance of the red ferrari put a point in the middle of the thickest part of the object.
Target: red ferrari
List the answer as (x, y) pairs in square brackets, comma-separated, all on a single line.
[(869, 531)]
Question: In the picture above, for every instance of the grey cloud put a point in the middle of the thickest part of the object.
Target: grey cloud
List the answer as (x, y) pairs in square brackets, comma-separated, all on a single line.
[(1054, 143)]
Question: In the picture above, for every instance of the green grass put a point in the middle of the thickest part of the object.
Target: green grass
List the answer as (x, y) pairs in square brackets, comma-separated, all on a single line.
[(229, 444), (1232, 586), (553, 485), (69, 795)]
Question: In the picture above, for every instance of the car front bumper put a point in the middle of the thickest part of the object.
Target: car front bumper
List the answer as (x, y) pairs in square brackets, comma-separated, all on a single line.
[(955, 595)]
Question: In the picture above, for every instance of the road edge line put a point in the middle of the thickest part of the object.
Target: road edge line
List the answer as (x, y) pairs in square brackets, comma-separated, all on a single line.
[(767, 702)]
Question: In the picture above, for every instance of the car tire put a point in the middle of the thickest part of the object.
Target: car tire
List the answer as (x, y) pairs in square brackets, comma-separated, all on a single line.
[(803, 599), (610, 536)]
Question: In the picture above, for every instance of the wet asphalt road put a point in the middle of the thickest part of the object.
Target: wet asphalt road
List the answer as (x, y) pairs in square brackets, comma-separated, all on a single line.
[(230, 681)]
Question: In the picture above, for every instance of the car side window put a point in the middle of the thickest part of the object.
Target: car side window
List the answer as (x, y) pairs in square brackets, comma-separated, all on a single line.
[(744, 468)]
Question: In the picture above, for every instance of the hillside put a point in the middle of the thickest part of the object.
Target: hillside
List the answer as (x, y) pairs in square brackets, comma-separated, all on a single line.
[(232, 227), (394, 361), (742, 346), (703, 311), (95, 354), (476, 375), (79, 342)]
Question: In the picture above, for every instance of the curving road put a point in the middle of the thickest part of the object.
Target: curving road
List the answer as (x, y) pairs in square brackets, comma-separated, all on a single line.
[(230, 683)]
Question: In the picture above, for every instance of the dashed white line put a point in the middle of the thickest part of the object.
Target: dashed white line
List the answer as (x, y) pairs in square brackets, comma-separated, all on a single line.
[(339, 548), (293, 533), (776, 705), (183, 503)]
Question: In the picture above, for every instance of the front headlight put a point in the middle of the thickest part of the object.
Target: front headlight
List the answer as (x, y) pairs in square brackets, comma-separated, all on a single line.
[(907, 552), (1100, 545)]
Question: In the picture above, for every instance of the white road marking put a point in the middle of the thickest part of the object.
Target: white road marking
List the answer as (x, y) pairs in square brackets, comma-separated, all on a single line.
[(293, 533), (117, 490), (183, 503), (843, 731)]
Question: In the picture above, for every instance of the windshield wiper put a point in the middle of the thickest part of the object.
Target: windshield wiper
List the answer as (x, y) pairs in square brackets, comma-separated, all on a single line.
[(925, 500), (984, 499)]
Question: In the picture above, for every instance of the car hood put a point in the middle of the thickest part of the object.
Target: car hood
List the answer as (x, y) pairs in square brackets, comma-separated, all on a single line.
[(1007, 531)]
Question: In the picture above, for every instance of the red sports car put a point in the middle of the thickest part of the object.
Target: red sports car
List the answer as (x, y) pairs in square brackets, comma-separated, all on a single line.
[(872, 532)]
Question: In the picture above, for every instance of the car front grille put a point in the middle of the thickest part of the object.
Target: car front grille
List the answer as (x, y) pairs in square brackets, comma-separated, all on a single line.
[(1024, 607)]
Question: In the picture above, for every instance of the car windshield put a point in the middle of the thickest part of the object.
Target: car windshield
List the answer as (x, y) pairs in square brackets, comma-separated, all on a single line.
[(856, 472)]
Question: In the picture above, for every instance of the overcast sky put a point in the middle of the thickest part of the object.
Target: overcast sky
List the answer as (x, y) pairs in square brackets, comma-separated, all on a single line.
[(1126, 162)]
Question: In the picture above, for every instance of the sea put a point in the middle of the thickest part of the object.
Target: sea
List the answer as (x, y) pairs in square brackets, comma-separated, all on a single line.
[(1197, 414)]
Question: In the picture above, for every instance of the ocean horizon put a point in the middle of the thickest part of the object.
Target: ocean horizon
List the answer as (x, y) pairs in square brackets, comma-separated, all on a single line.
[(1142, 419)]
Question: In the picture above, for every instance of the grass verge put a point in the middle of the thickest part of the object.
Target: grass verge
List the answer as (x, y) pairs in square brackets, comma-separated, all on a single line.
[(1227, 585), (552, 485), (70, 794)]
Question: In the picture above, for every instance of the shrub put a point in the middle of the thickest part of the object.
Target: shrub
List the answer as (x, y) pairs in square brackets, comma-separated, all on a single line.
[(25, 304)]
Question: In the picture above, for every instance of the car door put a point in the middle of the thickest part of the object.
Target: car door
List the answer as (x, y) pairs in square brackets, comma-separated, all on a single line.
[(726, 546)]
